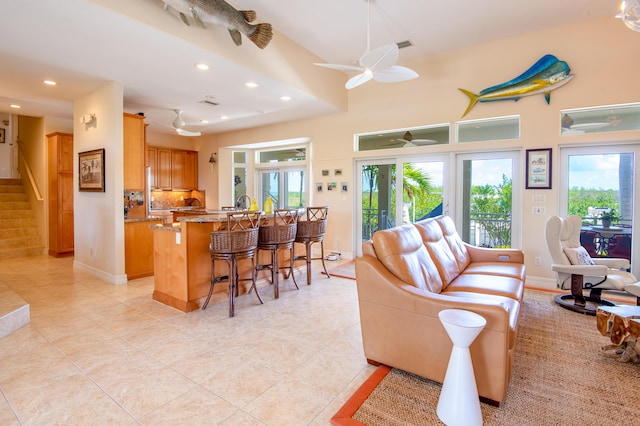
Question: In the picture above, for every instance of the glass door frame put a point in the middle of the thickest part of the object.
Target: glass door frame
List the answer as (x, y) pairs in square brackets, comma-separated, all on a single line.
[(516, 182), (398, 161), (614, 148)]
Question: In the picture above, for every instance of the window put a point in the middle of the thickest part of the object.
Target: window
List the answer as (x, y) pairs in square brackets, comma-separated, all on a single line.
[(281, 176)]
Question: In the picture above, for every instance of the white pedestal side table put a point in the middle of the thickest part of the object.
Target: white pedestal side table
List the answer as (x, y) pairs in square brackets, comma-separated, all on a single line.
[(459, 403)]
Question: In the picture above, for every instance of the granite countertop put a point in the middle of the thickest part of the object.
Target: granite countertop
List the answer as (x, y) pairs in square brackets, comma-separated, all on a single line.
[(144, 219), (174, 227)]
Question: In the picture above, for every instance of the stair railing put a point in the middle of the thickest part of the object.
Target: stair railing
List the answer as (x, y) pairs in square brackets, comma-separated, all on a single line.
[(25, 164)]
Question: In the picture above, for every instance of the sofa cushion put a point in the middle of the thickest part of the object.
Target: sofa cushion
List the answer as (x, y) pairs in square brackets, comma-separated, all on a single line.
[(487, 284), (514, 270), (457, 246), (510, 305), (402, 252), (438, 248)]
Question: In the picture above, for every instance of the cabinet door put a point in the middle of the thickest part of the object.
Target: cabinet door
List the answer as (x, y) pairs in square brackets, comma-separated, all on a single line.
[(133, 150), (178, 159), (152, 161), (65, 154), (191, 170), (164, 168)]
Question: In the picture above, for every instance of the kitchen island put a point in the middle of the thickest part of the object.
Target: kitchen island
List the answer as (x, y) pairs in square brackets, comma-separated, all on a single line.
[(182, 261)]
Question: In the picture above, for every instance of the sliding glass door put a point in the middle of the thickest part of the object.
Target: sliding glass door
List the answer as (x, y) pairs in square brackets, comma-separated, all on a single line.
[(595, 181), (486, 200), (380, 205)]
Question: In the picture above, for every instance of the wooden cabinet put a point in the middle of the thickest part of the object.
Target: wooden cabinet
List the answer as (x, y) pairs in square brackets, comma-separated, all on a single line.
[(133, 151), (138, 248), (191, 169), (172, 168), (177, 169), (60, 188)]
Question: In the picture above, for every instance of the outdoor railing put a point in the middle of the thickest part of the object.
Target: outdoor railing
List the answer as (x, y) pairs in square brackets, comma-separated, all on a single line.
[(486, 229)]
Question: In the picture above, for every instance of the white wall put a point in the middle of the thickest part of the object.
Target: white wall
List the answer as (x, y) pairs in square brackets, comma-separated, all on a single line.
[(99, 216), (601, 54)]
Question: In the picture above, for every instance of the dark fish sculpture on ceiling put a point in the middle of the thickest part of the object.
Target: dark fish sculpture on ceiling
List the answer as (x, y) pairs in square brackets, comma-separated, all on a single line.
[(220, 12), (547, 74)]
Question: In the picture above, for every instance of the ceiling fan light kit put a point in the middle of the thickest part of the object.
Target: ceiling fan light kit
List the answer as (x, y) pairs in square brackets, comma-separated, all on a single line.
[(630, 14), (378, 64)]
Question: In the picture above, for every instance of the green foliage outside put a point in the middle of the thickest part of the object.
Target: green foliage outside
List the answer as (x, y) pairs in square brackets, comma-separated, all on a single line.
[(491, 207), (580, 199)]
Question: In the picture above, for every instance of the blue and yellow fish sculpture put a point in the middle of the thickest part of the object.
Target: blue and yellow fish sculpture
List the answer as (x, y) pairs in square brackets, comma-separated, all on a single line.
[(547, 74)]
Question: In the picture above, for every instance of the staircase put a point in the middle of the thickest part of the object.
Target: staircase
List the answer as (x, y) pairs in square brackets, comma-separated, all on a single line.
[(18, 230)]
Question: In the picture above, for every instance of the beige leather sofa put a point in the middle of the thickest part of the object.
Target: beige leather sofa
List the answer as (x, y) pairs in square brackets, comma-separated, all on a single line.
[(410, 273)]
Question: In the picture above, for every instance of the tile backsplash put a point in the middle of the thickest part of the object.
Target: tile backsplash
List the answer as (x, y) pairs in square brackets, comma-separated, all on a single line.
[(163, 200)]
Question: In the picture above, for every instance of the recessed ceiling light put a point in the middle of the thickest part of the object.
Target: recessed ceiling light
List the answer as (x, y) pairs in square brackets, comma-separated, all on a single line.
[(202, 67), (50, 82), (15, 106), (204, 121), (224, 117), (251, 84), (285, 98)]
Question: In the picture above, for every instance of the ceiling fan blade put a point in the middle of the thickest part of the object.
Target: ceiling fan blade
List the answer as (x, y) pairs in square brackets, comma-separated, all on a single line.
[(394, 74), (359, 79), (421, 142), (380, 58), (182, 132), (347, 68)]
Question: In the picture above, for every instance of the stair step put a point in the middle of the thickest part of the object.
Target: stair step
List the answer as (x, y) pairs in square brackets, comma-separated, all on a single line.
[(13, 196), (9, 233), (14, 311), (12, 189), (23, 222), (21, 252), (11, 182), (15, 205), (16, 243), (15, 214)]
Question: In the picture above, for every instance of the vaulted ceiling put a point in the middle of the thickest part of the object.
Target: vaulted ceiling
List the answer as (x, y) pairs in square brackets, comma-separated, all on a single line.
[(83, 44)]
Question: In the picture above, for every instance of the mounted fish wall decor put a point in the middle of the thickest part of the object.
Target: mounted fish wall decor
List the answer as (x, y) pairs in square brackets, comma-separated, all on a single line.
[(220, 12), (547, 74)]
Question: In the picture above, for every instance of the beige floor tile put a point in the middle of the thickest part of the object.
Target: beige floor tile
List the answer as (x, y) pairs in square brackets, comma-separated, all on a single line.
[(196, 407), (289, 402), (73, 401), (96, 353)]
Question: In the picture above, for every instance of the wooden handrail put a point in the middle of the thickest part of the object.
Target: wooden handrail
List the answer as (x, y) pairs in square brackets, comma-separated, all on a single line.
[(34, 186)]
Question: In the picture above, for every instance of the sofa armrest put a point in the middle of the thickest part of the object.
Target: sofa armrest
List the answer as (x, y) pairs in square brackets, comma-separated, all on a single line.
[(484, 254)]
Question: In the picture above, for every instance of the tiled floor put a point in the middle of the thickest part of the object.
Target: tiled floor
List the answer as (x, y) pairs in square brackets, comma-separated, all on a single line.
[(96, 353)]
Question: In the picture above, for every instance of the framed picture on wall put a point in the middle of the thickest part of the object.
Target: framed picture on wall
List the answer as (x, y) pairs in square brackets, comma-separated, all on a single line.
[(2, 135), (538, 169), (91, 170)]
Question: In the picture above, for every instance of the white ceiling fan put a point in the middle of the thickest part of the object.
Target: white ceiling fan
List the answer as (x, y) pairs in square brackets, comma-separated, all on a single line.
[(408, 141), (179, 124), (378, 64)]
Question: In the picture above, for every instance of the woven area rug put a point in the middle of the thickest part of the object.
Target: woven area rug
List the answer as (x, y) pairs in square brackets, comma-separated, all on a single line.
[(560, 377), (343, 270)]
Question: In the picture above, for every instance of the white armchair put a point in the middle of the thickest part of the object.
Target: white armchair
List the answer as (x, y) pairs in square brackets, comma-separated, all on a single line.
[(576, 270)]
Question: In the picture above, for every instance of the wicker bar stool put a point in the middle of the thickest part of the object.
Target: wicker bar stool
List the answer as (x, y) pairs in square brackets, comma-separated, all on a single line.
[(311, 229), (278, 235), (235, 240)]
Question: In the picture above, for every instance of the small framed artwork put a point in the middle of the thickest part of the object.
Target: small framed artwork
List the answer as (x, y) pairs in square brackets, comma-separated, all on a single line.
[(538, 169), (319, 187), (344, 186), (337, 172), (325, 172), (331, 186), (2, 135), (91, 170)]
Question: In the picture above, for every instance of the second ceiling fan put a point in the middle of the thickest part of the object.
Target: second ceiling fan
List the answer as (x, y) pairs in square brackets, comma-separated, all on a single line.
[(378, 64), (179, 124)]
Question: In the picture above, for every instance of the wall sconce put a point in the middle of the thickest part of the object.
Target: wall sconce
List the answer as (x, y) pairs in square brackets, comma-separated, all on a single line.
[(213, 159), (88, 119), (630, 14)]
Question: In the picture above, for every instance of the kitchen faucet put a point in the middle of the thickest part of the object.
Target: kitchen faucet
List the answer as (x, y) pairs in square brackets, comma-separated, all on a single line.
[(243, 202)]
